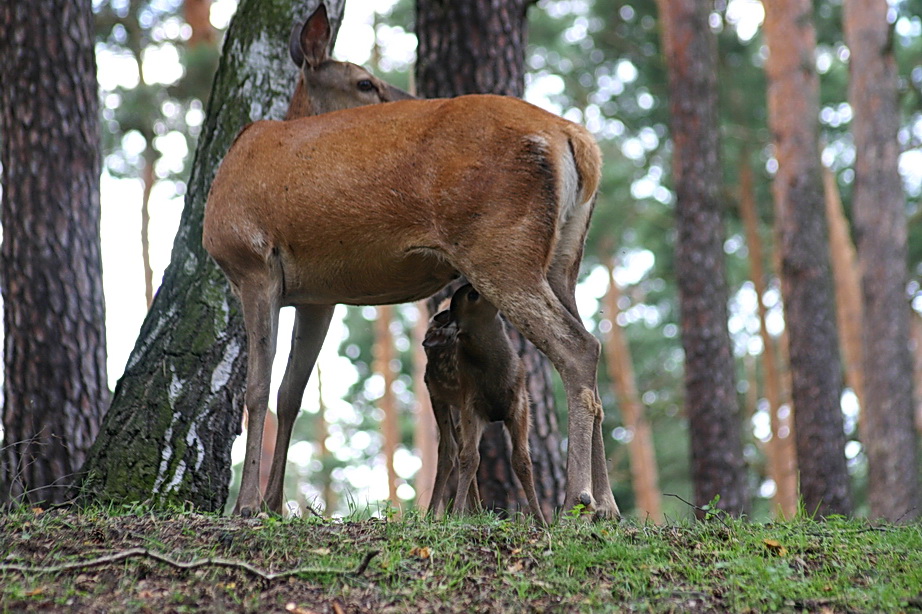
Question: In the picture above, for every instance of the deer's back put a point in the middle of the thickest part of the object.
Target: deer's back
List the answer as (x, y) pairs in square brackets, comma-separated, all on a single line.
[(387, 190)]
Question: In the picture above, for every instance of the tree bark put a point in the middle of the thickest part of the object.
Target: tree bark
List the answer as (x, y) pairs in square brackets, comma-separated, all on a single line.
[(384, 355), (916, 326), (425, 433), (479, 47), (55, 389), (847, 279), (782, 457), (323, 453), (197, 14), (718, 467), (793, 109), (881, 230), (168, 435), (644, 474)]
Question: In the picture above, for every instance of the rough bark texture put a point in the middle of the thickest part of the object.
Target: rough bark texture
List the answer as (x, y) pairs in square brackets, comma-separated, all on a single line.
[(471, 47), (177, 408), (806, 281), (780, 451), (55, 390), (880, 224), (479, 47), (718, 467)]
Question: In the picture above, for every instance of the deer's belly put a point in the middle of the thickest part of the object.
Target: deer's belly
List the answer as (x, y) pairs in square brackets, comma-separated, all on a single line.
[(366, 279)]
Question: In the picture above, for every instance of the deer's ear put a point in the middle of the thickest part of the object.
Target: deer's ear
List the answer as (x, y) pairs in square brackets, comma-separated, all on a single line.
[(442, 318), (294, 45), (442, 331), (314, 38)]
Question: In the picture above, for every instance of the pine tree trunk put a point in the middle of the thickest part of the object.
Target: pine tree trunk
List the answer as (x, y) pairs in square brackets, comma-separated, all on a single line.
[(847, 278), (323, 453), (471, 47), (644, 474), (880, 223), (197, 14), (177, 408), (916, 325), (55, 389), (148, 178), (806, 281), (782, 457), (384, 355), (425, 433), (718, 467)]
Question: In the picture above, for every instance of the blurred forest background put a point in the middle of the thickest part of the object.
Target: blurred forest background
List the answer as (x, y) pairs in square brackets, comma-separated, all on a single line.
[(600, 63)]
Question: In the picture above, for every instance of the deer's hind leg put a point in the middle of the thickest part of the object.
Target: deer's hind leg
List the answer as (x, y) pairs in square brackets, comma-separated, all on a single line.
[(447, 455), (535, 309), (517, 424)]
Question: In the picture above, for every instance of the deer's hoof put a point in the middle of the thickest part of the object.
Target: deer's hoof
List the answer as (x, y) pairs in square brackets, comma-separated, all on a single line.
[(246, 511), (607, 513)]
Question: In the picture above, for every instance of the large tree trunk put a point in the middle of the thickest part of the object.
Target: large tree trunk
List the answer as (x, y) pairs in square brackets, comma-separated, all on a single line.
[(479, 47), (880, 223), (55, 390), (177, 408), (780, 452), (806, 281), (718, 467)]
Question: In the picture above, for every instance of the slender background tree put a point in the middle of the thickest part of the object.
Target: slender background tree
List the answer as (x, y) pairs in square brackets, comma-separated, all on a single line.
[(880, 225), (718, 467), (793, 106)]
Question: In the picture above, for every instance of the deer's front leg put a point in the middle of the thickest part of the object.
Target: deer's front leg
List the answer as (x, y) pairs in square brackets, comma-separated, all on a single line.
[(310, 329), (447, 455), (260, 314), (469, 458)]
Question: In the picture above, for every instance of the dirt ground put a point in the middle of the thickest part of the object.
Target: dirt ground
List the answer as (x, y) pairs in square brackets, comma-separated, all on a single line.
[(341, 569)]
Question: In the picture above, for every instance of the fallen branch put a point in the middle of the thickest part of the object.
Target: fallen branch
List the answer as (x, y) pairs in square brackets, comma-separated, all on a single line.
[(708, 511), (193, 564)]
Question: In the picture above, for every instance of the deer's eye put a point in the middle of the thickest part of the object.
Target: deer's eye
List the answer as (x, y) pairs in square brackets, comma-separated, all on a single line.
[(365, 85)]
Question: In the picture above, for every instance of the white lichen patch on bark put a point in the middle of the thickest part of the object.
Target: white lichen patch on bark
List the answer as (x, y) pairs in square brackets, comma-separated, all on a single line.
[(224, 370)]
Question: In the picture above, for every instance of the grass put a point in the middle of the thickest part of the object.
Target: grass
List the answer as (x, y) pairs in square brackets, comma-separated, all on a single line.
[(473, 564)]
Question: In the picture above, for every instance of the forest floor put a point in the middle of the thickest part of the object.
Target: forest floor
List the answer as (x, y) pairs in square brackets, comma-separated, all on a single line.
[(135, 561)]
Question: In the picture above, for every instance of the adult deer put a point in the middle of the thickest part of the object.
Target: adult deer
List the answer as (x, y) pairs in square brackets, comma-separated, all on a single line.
[(387, 204)]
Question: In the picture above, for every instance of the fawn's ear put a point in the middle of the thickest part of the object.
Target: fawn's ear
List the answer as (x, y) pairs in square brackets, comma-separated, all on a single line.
[(442, 318), (313, 40), (441, 332)]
